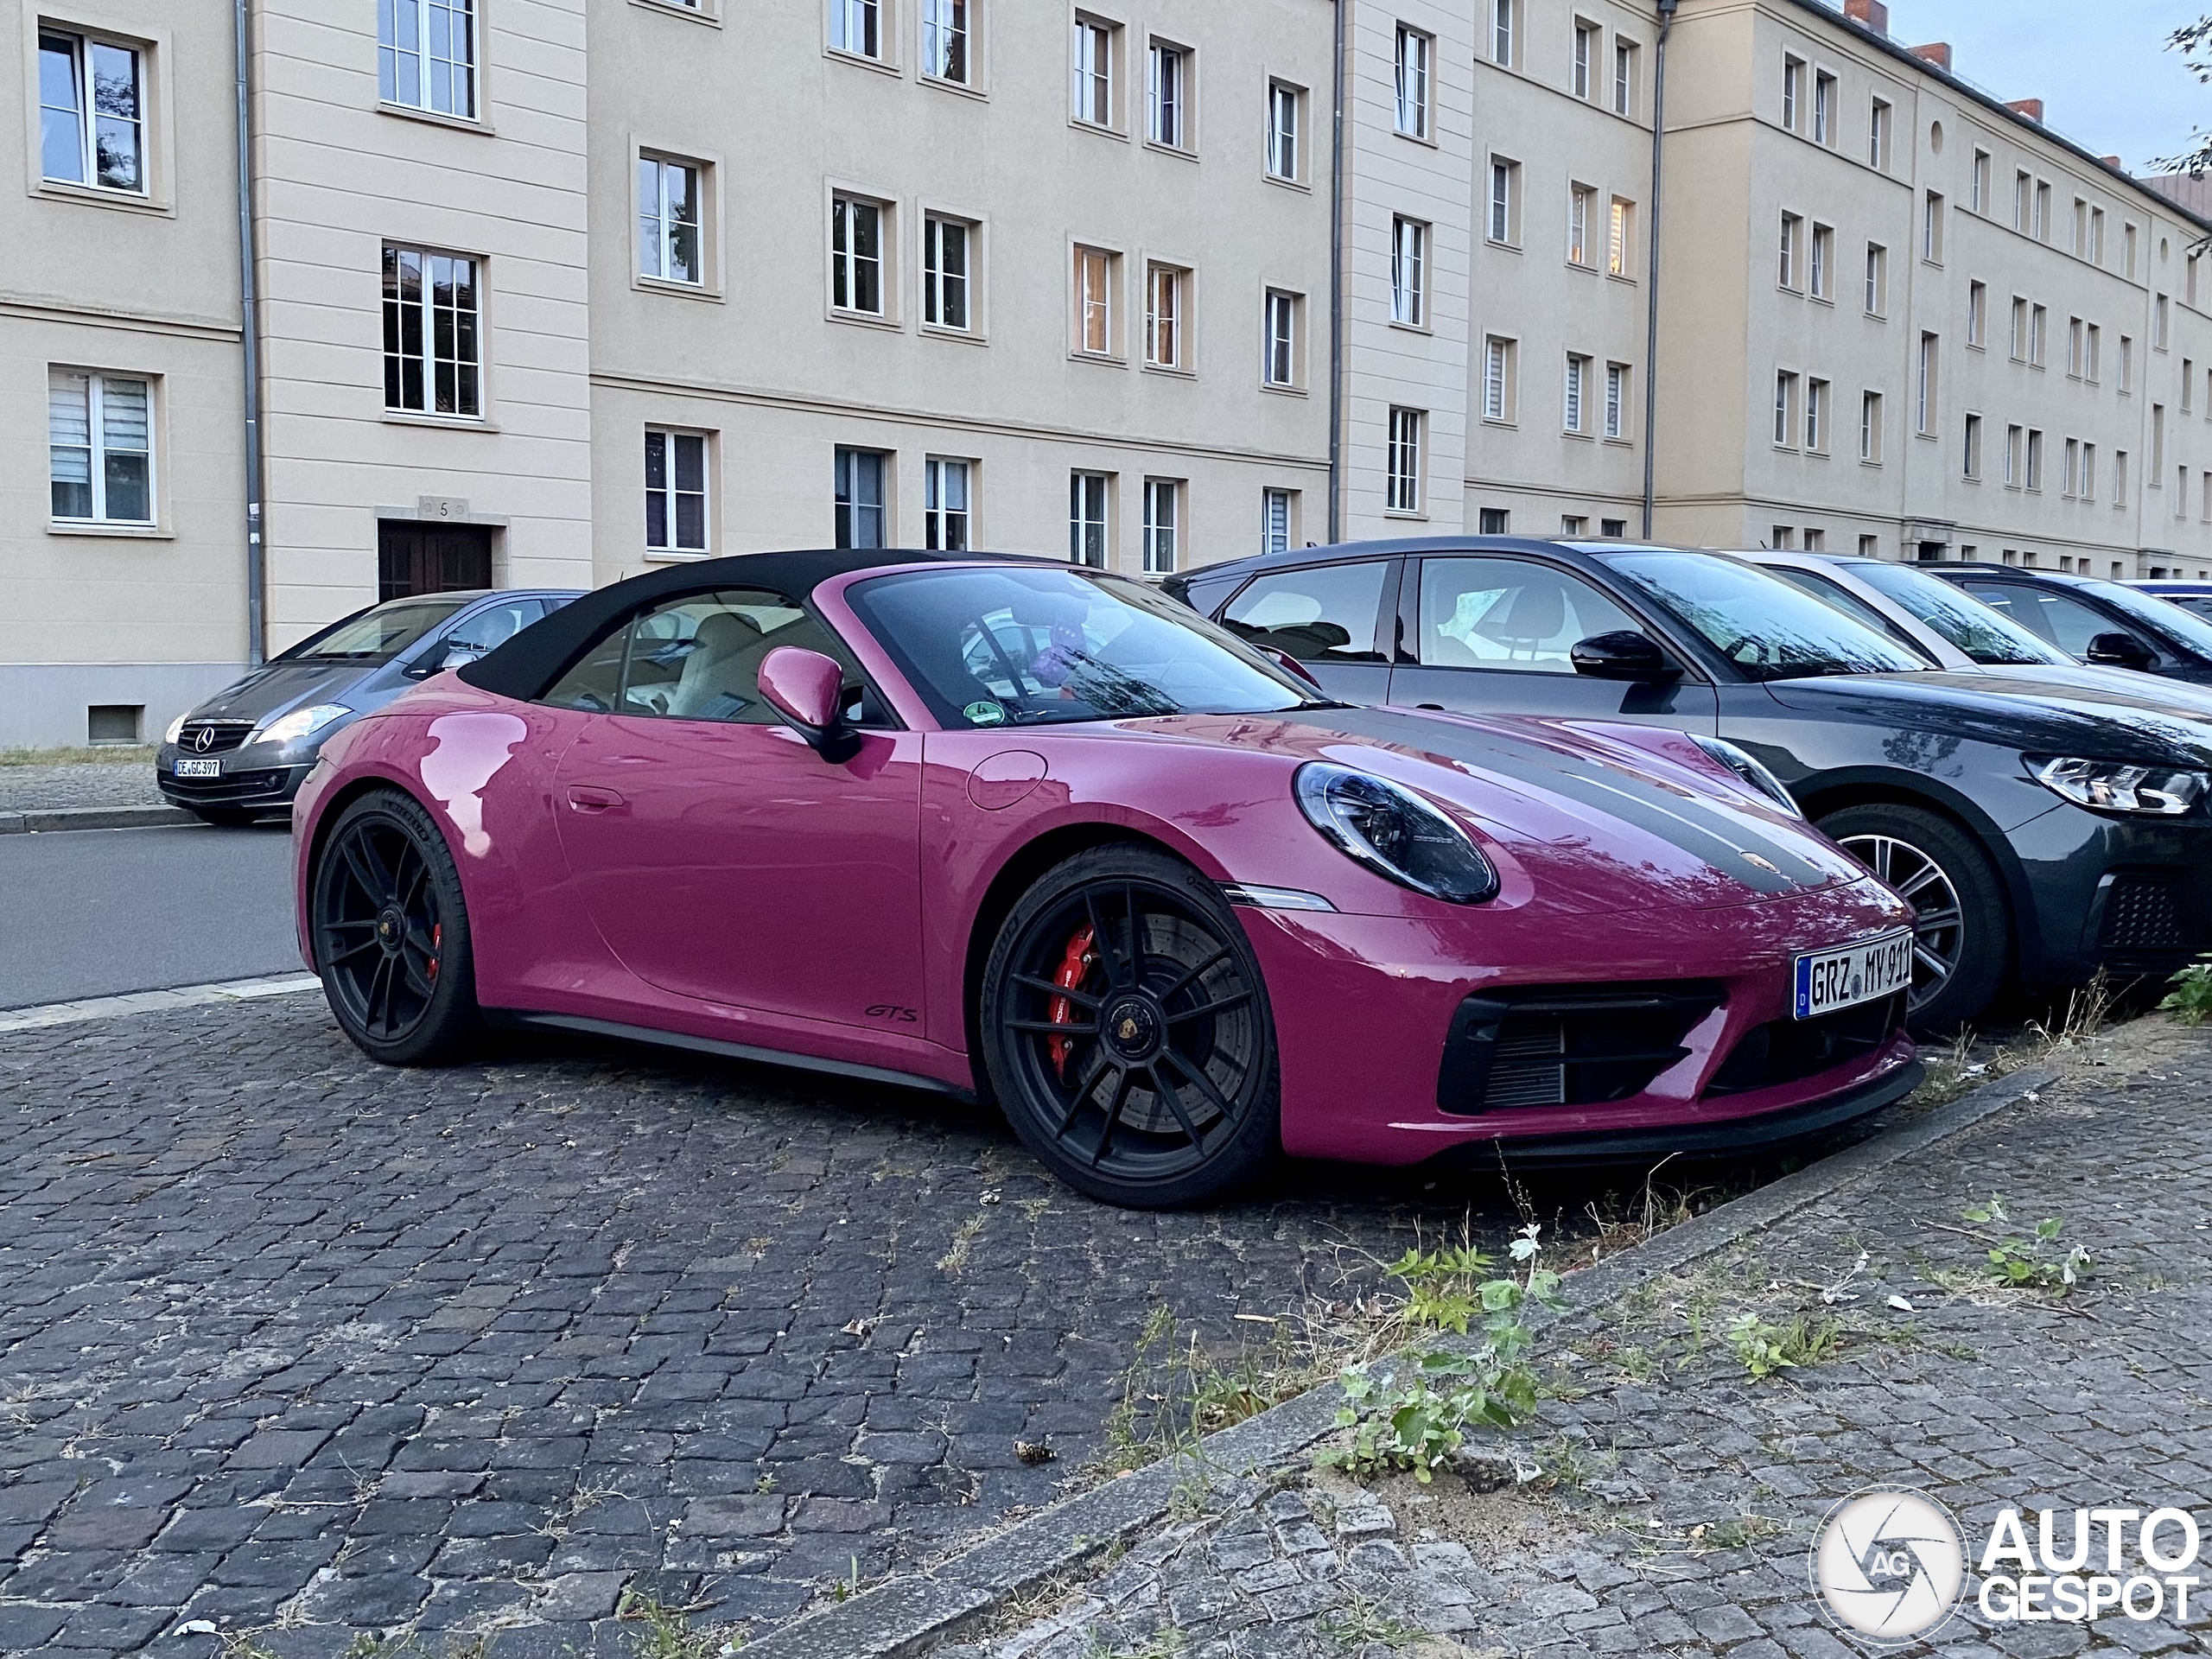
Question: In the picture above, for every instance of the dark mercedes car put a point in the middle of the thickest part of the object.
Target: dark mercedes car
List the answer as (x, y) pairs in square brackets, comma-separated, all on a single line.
[(243, 751), (2041, 831), (2095, 621)]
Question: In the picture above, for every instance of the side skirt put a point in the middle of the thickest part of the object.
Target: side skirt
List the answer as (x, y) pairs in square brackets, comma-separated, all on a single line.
[(511, 1018)]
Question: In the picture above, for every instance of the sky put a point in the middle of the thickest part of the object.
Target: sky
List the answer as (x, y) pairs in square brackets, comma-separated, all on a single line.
[(2100, 66)]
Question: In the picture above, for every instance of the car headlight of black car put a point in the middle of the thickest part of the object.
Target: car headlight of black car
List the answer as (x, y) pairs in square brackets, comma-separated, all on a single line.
[(1395, 833), (2121, 785), (1752, 770)]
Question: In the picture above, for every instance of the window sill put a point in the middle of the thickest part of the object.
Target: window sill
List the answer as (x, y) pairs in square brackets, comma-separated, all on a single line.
[(1411, 327), (1503, 247), (672, 554), (881, 65), (92, 195), (1172, 370), (1180, 152), (1619, 443), (958, 88), (698, 14), (1579, 437), (1622, 277), (1401, 512), (435, 119), (1976, 346), (1822, 299), (1104, 359), (1273, 390), (645, 284), (1280, 182), (1573, 264), (1874, 466), (1092, 127), (442, 422), (865, 319), (1502, 423), (1422, 139), (963, 336), (120, 532)]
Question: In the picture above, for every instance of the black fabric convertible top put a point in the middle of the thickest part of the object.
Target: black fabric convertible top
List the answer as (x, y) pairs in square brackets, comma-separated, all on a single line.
[(533, 660)]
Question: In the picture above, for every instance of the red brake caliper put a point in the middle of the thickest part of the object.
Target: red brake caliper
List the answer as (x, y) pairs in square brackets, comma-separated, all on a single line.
[(437, 944), (1074, 967)]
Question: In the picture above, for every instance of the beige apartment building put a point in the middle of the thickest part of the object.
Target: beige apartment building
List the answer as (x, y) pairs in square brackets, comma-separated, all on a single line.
[(550, 293)]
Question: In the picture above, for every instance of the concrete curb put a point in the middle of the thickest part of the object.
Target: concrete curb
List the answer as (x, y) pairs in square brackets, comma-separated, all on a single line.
[(180, 996), (40, 820), (907, 1615)]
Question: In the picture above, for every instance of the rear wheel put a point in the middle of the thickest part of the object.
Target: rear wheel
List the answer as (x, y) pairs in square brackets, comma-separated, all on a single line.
[(1962, 926), (391, 934), (1127, 1032)]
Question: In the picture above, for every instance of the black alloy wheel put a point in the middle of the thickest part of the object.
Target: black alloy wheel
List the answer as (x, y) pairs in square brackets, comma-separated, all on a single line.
[(1960, 927), (391, 935), (1128, 1034)]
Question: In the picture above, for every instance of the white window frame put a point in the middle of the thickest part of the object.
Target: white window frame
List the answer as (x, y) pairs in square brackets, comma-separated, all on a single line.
[(1094, 304), (1408, 272), (1500, 221), (1091, 65), (945, 291), (1878, 135), (1501, 32), (414, 86), (1167, 95), (1163, 525), (1623, 76), (654, 207), (1870, 428), (669, 544), (946, 42), (1820, 256), (87, 120), (1167, 316), (97, 448), (1616, 391), (845, 496), (1824, 89), (856, 28), (947, 504), (1090, 530), (1785, 408), (1579, 198), (1574, 400), (1497, 378), (1403, 459), (1925, 390), (848, 212), (1278, 513), (1877, 280), (1416, 53), (1284, 131), (1581, 74), (1970, 453), (1278, 364), (427, 261), (1816, 411)]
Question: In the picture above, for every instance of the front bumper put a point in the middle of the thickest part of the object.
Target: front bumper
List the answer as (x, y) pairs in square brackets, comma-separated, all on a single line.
[(2130, 897), (258, 777)]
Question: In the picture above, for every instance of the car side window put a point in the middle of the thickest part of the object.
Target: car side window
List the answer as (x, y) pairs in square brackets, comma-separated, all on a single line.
[(2064, 621), (697, 657), (1829, 593), (1509, 614), (493, 625), (1323, 613)]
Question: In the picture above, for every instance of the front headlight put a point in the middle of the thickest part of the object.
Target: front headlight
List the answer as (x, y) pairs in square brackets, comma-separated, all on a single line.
[(1394, 833), (300, 722), (175, 730), (2118, 787), (1752, 770)]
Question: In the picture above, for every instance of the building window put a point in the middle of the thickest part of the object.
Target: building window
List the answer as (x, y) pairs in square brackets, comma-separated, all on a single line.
[(1276, 510), (2076, 347), (1793, 91), (1498, 379), (860, 498), (2158, 323), (1282, 131), (2120, 478), (669, 243), (2022, 191), (2043, 211), (1931, 229), (1504, 204), (945, 268), (2013, 436), (426, 56), (92, 113), (945, 505), (676, 491), (1501, 32), (1823, 258), (1578, 197), (430, 345), (1877, 136), (1877, 279), (1793, 228), (2038, 317), (1587, 36), (1616, 424), (1824, 109), (1870, 426), (1870, 547), (1573, 524), (1093, 69), (1167, 96), (944, 41), (1782, 536), (1620, 238), (1785, 407), (1575, 414), (1816, 416), (1623, 78), (1977, 314), (857, 259), (1401, 485), (1164, 346), (100, 448), (1278, 351), (2092, 355), (1094, 301), (1413, 82), (2158, 442), (1979, 197), (1616, 528), (1815, 539), (2082, 235), (2088, 472), (856, 26), (2035, 459), (2126, 363), (2127, 252), (1162, 515), (1925, 388), (1408, 272), (2019, 329), (1492, 521), (1087, 519), (1970, 464)]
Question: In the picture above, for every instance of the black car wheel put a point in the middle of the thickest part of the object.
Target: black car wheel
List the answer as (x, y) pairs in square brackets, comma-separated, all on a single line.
[(1127, 1032), (391, 935), (1962, 926)]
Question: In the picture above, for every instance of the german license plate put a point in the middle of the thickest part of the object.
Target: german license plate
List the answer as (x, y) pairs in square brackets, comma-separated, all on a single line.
[(188, 768), (1852, 973)]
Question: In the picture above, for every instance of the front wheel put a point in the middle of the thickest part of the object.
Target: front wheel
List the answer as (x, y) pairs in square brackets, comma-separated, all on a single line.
[(1127, 1032), (391, 935), (1962, 927)]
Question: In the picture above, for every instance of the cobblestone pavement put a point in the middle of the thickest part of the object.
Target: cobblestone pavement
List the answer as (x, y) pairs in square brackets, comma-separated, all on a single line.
[(1665, 1503), (289, 1340), (95, 783)]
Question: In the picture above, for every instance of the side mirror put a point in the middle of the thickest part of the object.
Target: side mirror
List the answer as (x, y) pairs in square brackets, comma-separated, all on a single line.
[(2118, 650), (1626, 655), (459, 656), (1284, 659), (807, 691)]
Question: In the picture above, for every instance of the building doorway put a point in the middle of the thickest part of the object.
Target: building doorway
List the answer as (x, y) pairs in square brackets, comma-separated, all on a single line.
[(431, 558)]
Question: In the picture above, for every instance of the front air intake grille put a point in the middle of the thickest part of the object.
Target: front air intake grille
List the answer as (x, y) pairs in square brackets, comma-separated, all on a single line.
[(212, 736), (1566, 1045), (2142, 912), (1789, 1051)]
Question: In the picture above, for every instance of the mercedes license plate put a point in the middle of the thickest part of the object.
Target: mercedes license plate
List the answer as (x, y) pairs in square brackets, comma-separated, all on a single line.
[(1852, 973), (189, 767)]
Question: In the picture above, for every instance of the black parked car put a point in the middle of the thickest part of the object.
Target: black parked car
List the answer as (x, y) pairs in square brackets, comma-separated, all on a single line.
[(244, 750), (2095, 621), (2045, 832)]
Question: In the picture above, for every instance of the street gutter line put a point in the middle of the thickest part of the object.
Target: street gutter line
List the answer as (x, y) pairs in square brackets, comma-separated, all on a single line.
[(182, 996)]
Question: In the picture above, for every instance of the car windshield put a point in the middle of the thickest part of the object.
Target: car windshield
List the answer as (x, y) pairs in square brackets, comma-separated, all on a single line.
[(380, 635), (1013, 646), (2174, 620), (1760, 623), (1987, 636)]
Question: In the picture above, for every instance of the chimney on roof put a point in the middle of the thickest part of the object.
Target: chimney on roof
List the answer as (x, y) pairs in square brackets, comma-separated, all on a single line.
[(1939, 54), (2113, 161), (2030, 107), (1872, 13)]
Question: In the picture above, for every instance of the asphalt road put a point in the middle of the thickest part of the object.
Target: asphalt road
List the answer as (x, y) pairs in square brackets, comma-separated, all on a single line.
[(96, 913)]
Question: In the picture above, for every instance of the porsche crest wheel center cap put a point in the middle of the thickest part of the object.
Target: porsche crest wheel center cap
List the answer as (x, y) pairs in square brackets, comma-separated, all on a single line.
[(390, 929), (1132, 1028)]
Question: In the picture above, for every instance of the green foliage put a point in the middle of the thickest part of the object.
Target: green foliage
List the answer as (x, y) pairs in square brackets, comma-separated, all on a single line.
[(2190, 1000), (1765, 1351), (2029, 1264), (662, 1633)]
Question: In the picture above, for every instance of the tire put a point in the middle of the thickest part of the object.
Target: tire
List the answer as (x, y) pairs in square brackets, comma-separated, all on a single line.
[(391, 937), (1157, 1085), (1964, 928), (224, 818)]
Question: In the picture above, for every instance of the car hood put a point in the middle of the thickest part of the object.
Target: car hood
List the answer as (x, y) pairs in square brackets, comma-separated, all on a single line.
[(2017, 708), (281, 687), (1600, 819)]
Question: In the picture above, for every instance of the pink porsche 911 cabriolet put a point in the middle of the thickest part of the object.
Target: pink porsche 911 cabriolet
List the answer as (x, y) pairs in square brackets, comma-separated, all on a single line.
[(1014, 831)]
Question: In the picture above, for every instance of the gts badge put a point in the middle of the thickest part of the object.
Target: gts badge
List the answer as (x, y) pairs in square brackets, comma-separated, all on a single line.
[(892, 1012)]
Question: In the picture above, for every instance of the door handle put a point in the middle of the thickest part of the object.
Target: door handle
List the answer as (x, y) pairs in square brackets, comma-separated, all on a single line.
[(1436, 706), (585, 798)]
